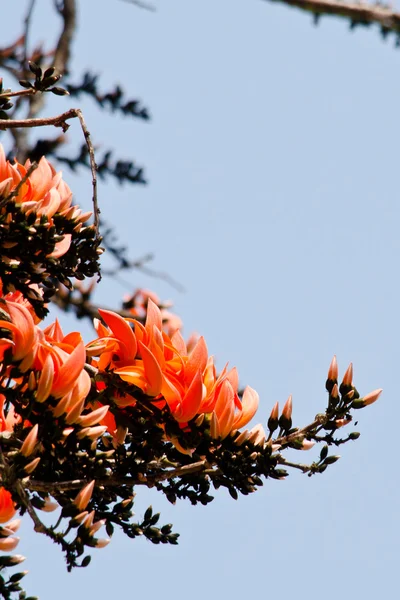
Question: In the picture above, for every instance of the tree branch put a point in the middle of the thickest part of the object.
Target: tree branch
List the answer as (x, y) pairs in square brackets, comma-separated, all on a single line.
[(363, 14), (62, 54)]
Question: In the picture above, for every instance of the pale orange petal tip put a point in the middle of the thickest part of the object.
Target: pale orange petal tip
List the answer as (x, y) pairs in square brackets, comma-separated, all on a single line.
[(372, 397), (333, 371), (82, 499), (348, 376)]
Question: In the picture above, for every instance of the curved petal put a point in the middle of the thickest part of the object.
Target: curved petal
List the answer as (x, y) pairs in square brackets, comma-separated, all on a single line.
[(152, 371), (153, 317), (197, 360), (192, 400), (122, 330), (69, 371), (225, 408), (249, 408), (61, 247)]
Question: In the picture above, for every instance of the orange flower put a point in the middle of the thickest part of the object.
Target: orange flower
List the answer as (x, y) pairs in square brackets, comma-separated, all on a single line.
[(44, 193), (23, 331), (7, 506), (164, 369)]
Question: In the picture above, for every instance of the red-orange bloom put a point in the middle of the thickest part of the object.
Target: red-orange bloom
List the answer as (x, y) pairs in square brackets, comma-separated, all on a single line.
[(164, 369), (7, 506), (44, 193), (23, 332)]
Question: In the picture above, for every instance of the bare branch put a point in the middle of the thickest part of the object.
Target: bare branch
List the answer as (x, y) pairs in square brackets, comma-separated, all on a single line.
[(143, 5), (27, 24), (67, 10), (366, 14)]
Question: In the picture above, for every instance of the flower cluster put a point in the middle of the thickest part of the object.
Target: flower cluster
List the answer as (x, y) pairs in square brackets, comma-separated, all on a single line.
[(164, 370), (43, 236), (82, 424)]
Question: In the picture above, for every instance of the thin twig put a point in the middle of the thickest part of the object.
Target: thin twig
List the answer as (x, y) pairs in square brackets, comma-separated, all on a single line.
[(39, 526), (27, 24), (318, 422), (63, 47), (93, 168), (29, 92), (364, 13), (143, 5), (282, 461), (58, 121), (76, 484)]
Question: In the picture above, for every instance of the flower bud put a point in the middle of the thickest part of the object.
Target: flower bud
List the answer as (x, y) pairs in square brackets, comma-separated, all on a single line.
[(348, 376), (199, 420), (102, 543), (82, 499), (75, 412), (88, 522), (30, 467), (242, 437), (45, 380), (257, 435), (30, 441), (49, 505), (342, 422), (14, 525), (273, 418), (285, 421), (214, 426), (120, 435), (372, 397), (79, 519), (332, 374), (94, 417), (8, 544), (12, 561), (95, 432), (96, 526), (307, 444), (334, 396)]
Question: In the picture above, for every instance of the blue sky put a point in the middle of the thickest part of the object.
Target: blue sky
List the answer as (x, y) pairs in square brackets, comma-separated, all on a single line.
[(273, 161)]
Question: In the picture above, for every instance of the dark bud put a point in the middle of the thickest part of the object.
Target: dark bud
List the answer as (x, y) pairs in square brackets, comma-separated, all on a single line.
[(49, 72), (25, 84), (154, 519), (330, 460), (86, 561), (148, 514), (36, 70), (59, 91), (233, 493), (357, 404), (17, 577), (324, 453), (354, 435)]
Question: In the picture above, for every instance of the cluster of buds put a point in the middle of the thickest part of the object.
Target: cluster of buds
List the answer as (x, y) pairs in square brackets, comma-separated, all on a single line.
[(345, 396)]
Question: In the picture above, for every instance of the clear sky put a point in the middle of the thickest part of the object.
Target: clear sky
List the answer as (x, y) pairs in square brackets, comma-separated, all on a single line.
[(273, 167)]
